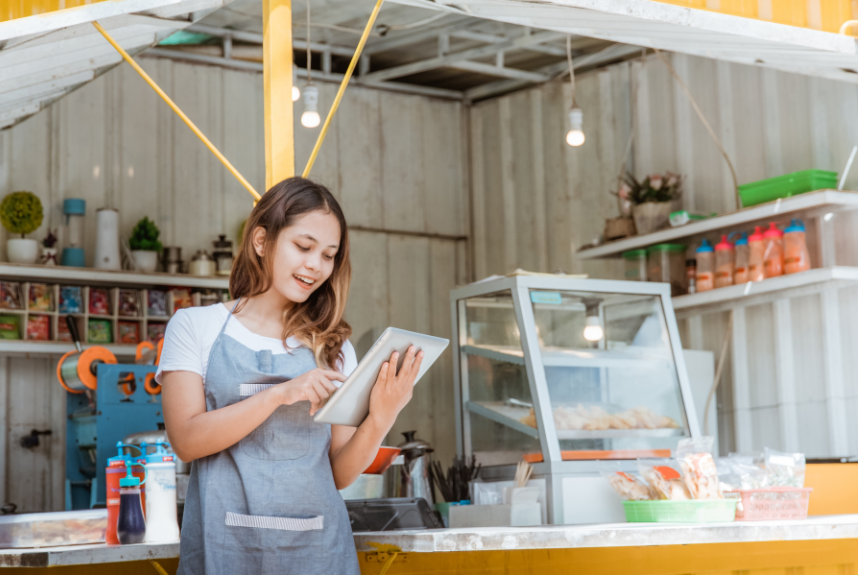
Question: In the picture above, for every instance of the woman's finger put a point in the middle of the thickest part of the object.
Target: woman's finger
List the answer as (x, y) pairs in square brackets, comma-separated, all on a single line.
[(331, 374), (312, 397), (382, 375), (391, 366), (321, 391), (415, 368), (327, 384), (406, 364)]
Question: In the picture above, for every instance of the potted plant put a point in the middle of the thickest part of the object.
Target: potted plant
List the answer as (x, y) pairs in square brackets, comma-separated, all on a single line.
[(49, 252), (145, 245), (21, 213), (651, 200)]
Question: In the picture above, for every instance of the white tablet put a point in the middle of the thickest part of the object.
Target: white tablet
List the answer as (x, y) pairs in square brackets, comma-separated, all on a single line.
[(349, 405)]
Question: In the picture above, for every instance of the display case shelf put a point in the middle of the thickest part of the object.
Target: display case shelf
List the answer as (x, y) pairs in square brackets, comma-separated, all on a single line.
[(812, 204), (511, 416), (569, 357)]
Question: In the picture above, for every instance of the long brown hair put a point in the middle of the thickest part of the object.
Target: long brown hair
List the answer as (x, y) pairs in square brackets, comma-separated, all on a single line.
[(318, 322)]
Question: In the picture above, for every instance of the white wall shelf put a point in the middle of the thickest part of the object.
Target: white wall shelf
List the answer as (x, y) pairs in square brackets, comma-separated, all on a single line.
[(753, 293), (95, 277), (26, 348), (809, 205)]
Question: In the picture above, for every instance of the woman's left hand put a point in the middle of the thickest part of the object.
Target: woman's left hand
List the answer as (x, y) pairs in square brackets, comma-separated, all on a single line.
[(392, 390)]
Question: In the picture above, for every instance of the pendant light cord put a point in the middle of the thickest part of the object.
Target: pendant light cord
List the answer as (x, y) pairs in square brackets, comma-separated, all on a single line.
[(309, 55), (706, 124), (571, 68)]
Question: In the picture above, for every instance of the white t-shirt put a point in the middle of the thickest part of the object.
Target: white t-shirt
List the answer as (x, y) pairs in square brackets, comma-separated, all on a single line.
[(192, 332)]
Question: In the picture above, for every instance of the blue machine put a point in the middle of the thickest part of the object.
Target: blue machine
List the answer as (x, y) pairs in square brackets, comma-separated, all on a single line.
[(95, 426)]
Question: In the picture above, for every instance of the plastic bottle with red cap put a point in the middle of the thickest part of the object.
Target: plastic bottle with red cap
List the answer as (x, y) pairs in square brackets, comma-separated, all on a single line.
[(773, 260), (756, 256), (725, 263)]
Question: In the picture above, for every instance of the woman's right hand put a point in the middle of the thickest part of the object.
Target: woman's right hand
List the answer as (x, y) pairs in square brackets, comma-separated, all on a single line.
[(314, 386)]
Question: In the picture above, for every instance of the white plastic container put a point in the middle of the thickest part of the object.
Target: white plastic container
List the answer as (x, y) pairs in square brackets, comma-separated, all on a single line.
[(162, 524), (107, 240)]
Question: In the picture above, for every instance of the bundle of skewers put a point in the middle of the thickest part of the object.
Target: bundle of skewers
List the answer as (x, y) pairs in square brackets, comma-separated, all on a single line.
[(454, 485), (523, 472)]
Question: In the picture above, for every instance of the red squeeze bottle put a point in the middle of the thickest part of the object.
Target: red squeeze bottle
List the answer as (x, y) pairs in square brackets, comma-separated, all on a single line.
[(773, 261)]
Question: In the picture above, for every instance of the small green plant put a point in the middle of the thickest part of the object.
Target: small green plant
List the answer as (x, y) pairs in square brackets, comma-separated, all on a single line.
[(21, 213), (144, 236)]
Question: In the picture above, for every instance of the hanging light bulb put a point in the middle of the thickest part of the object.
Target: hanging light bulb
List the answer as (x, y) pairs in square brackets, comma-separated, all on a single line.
[(296, 91), (310, 118), (593, 330), (575, 135)]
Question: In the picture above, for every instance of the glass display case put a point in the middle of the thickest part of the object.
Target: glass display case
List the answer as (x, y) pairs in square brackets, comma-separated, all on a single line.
[(563, 372)]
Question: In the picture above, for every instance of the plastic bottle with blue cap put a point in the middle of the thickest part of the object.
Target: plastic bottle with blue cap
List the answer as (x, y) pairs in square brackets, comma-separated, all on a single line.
[(116, 469), (796, 255), (131, 525), (743, 259), (705, 266), (162, 525)]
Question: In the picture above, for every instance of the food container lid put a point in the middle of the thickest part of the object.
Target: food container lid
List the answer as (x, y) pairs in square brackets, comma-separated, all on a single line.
[(672, 248), (743, 240), (690, 262), (160, 455), (773, 232), (74, 206), (757, 236), (796, 225), (222, 243), (201, 256), (724, 244), (705, 247), (632, 254)]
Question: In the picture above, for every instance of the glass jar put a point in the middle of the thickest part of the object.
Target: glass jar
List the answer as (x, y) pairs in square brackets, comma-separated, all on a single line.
[(635, 265), (666, 264), (223, 255)]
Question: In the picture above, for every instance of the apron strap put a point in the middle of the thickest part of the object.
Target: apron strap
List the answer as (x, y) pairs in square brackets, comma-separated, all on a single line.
[(232, 311)]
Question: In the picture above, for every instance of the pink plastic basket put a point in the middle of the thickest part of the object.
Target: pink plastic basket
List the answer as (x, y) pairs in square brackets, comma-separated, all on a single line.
[(771, 503)]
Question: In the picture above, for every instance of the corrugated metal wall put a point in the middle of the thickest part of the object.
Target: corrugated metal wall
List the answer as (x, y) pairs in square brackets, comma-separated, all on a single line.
[(396, 162), (535, 197)]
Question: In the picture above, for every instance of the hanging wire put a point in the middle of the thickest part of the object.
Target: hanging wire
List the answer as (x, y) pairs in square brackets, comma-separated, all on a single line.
[(309, 56), (622, 173), (571, 68)]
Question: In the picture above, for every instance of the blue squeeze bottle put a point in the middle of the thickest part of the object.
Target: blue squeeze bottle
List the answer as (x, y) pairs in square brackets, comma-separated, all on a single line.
[(130, 526)]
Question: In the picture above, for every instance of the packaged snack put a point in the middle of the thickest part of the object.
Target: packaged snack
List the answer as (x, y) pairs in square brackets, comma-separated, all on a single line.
[(157, 304), (63, 333), (155, 332), (10, 327), (10, 295), (128, 332), (627, 486), (181, 299), (740, 472), (694, 455), (99, 301), (784, 469), (99, 331), (664, 478), (39, 328), (71, 299), (39, 297), (128, 306)]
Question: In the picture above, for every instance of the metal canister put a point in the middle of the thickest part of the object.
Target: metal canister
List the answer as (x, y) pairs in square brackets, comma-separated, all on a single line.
[(414, 473), (223, 255)]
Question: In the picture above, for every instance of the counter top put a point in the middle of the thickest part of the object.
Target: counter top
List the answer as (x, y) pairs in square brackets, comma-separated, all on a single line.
[(494, 538)]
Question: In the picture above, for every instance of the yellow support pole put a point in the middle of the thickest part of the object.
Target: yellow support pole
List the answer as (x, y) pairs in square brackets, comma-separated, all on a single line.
[(176, 109), (342, 89), (277, 79)]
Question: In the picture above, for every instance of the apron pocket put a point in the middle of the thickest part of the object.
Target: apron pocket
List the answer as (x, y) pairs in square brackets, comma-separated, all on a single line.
[(248, 389), (271, 522), (284, 435)]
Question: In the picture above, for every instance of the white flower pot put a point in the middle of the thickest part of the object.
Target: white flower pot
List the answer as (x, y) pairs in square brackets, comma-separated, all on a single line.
[(145, 260), (49, 256), (22, 251)]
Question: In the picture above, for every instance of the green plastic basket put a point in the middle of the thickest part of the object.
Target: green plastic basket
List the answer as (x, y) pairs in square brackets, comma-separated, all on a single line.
[(693, 511), (786, 186)]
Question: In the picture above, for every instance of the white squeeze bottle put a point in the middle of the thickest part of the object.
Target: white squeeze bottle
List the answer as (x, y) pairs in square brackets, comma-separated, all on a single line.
[(162, 525)]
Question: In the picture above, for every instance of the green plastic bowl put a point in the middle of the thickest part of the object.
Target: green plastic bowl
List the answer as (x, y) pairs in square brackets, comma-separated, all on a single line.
[(785, 186), (692, 511)]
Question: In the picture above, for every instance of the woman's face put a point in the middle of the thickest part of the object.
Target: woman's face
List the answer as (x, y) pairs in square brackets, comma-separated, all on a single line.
[(304, 255)]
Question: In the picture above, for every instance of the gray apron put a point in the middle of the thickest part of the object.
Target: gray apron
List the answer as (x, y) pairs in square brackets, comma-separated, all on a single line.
[(268, 504)]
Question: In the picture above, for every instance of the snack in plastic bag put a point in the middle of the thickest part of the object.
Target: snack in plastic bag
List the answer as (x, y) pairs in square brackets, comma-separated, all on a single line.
[(694, 455), (741, 472), (627, 486), (784, 469), (664, 478)]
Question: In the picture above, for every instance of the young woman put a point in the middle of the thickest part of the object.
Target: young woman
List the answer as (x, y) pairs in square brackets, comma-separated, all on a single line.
[(241, 382)]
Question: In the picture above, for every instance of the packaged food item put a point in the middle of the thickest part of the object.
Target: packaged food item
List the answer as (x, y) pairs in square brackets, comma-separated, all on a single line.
[(691, 275), (63, 333), (155, 331), (595, 417), (627, 485), (666, 264), (705, 267), (99, 331), (664, 478), (773, 259), (157, 303), (128, 332), (694, 455), (181, 299), (635, 265), (10, 327), (796, 256), (725, 263), (740, 472), (39, 328), (10, 297), (757, 256), (743, 255), (71, 299), (128, 306), (39, 297), (784, 469), (99, 301)]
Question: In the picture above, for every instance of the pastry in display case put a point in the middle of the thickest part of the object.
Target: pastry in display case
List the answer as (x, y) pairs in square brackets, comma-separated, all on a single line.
[(563, 372)]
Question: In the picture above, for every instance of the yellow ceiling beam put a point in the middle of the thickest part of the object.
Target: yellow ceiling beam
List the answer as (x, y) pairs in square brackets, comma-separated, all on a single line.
[(277, 72)]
